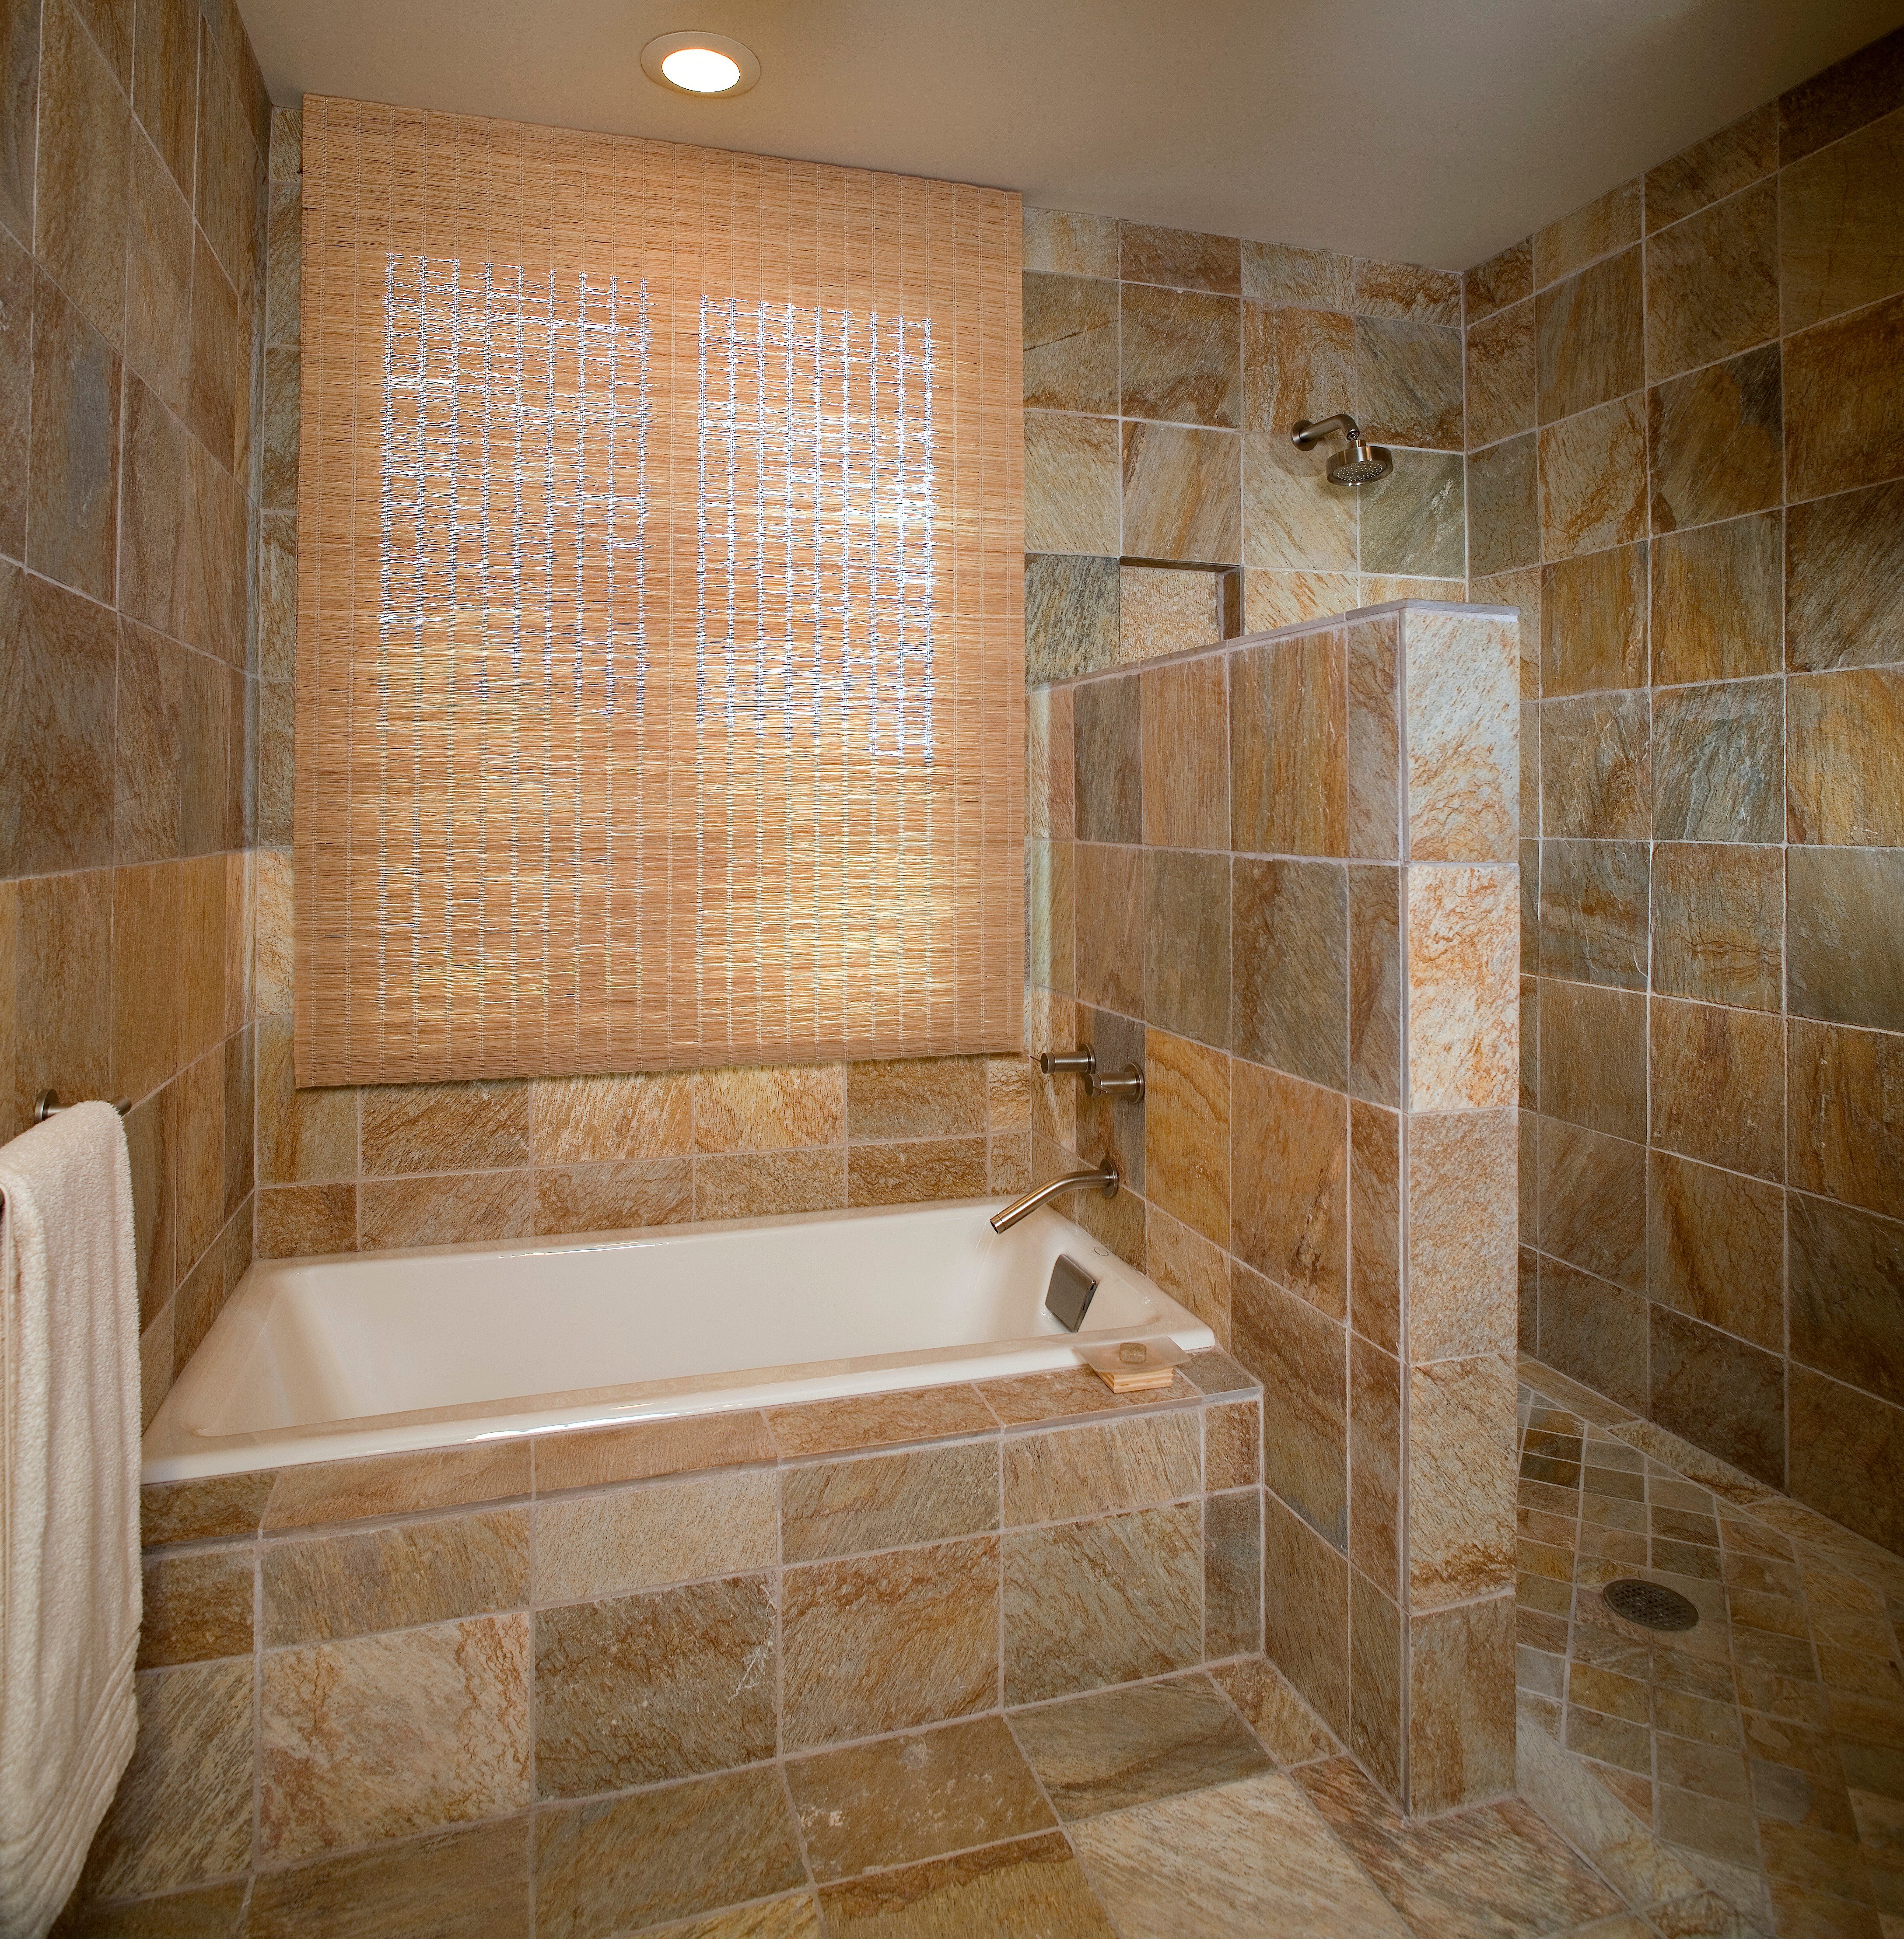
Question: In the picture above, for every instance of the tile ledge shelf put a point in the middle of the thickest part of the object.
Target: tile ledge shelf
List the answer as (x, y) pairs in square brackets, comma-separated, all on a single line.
[(1298, 630)]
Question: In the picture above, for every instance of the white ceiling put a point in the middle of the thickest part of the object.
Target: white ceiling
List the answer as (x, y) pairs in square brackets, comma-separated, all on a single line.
[(1434, 131)]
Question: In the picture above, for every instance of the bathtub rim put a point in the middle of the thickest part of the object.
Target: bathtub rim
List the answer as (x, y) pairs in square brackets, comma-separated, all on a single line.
[(171, 1450)]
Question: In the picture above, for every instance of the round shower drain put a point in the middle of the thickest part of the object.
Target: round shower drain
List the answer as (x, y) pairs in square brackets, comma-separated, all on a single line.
[(1649, 1605)]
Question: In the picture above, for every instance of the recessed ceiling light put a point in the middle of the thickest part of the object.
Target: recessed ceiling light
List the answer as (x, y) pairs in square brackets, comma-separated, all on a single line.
[(699, 64)]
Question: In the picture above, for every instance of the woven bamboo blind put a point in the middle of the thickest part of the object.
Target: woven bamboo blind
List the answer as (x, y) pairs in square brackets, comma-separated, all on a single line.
[(660, 668)]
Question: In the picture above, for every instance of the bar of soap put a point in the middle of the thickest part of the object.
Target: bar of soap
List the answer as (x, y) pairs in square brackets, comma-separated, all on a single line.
[(1130, 1366)]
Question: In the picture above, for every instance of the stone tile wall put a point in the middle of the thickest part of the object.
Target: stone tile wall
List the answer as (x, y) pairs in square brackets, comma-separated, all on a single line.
[(607, 1646), (1686, 429), (131, 221), (1280, 875), (1165, 507)]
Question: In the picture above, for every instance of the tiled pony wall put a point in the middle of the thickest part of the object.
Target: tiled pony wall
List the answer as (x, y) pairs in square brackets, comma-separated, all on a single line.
[(1686, 424)]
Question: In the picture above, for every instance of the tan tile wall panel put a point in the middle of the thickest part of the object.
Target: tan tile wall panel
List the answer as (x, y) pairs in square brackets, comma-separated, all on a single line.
[(406, 1656), (132, 306), (1691, 483), (1296, 901)]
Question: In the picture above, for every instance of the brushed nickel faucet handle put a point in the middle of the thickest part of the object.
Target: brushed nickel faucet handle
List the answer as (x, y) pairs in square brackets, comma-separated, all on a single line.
[(1126, 1086), (1082, 1062)]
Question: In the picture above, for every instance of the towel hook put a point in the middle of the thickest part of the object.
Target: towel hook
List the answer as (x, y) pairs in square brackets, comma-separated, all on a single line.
[(47, 1105)]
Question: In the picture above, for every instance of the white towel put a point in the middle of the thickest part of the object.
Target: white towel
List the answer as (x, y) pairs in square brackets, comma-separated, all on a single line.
[(69, 1446)]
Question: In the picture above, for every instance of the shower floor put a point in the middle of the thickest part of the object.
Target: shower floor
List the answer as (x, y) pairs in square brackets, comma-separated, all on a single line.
[(1763, 1750)]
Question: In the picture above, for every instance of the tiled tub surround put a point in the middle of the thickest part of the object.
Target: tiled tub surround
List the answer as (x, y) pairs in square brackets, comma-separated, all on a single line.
[(1686, 422), (616, 1647), (132, 211), (1163, 370), (1281, 874)]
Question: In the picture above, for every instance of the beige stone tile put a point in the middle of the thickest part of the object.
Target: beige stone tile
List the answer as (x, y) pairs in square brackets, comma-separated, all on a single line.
[(1180, 258), (1192, 1270), (1135, 1746), (1300, 1356), (1273, 599), (651, 1687), (626, 1863), (79, 233), (1292, 516), (372, 1738), (910, 1798), (1071, 615), (303, 1136), (1844, 771), (1254, 1853), (1186, 757), (1504, 514), (769, 1184), (1062, 240), (1376, 1669), (1712, 283), (1721, 165), (1593, 630), (642, 1538), (390, 1484), (1501, 375), (1279, 275), (1461, 1466), (1294, 1137), (195, 1739), (1503, 1864), (1837, 226), (73, 465), (440, 1211), (640, 1450), (1589, 340), (1716, 598), (793, 1917), (417, 1127), (577, 1120), (878, 1420), (1842, 577), (1463, 941), (889, 1500), (224, 1506), (612, 1197), (1833, 898), (1408, 383), (1462, 683), (1232, 1444), (1506, 277), (1717, 438), (1461, 1704), (1413, 529), (211, 1911), (1597, 228), (1140, 1578), (1288, 747), (1182, 489), (768, 1108), (1061, 1474), (1593, 480), (889, 1642), (1071, 483), (1286, 1726), (1407, 289), (1289, 997), (335, 1587), (1187, 1132), (1070, 343), (456, 1882), (301, 1221), (1162, 611), (1031, 1884), (1461, 1233), (196, 1608), (915, 1098), (1179, 355)]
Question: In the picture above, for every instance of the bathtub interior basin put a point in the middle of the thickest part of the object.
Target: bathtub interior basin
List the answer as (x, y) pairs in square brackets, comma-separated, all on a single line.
[(319, 1359)]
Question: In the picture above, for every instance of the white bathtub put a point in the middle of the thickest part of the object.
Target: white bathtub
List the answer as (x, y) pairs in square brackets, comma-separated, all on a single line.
[(319, 1359)]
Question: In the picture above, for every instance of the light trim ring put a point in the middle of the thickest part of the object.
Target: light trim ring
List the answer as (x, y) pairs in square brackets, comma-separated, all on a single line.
[(657, 50)]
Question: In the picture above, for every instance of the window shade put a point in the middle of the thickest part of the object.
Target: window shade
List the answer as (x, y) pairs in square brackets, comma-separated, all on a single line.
[(660, 681)]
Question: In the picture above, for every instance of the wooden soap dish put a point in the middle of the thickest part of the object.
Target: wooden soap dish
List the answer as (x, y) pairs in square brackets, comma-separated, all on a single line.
[(1132, 1366)]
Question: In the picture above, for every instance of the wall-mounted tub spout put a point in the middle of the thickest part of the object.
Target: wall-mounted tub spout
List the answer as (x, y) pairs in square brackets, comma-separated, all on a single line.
[(1105, 1178)]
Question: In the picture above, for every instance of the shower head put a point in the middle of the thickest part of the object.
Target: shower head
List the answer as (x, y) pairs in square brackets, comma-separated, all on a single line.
[(1358, 462)]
